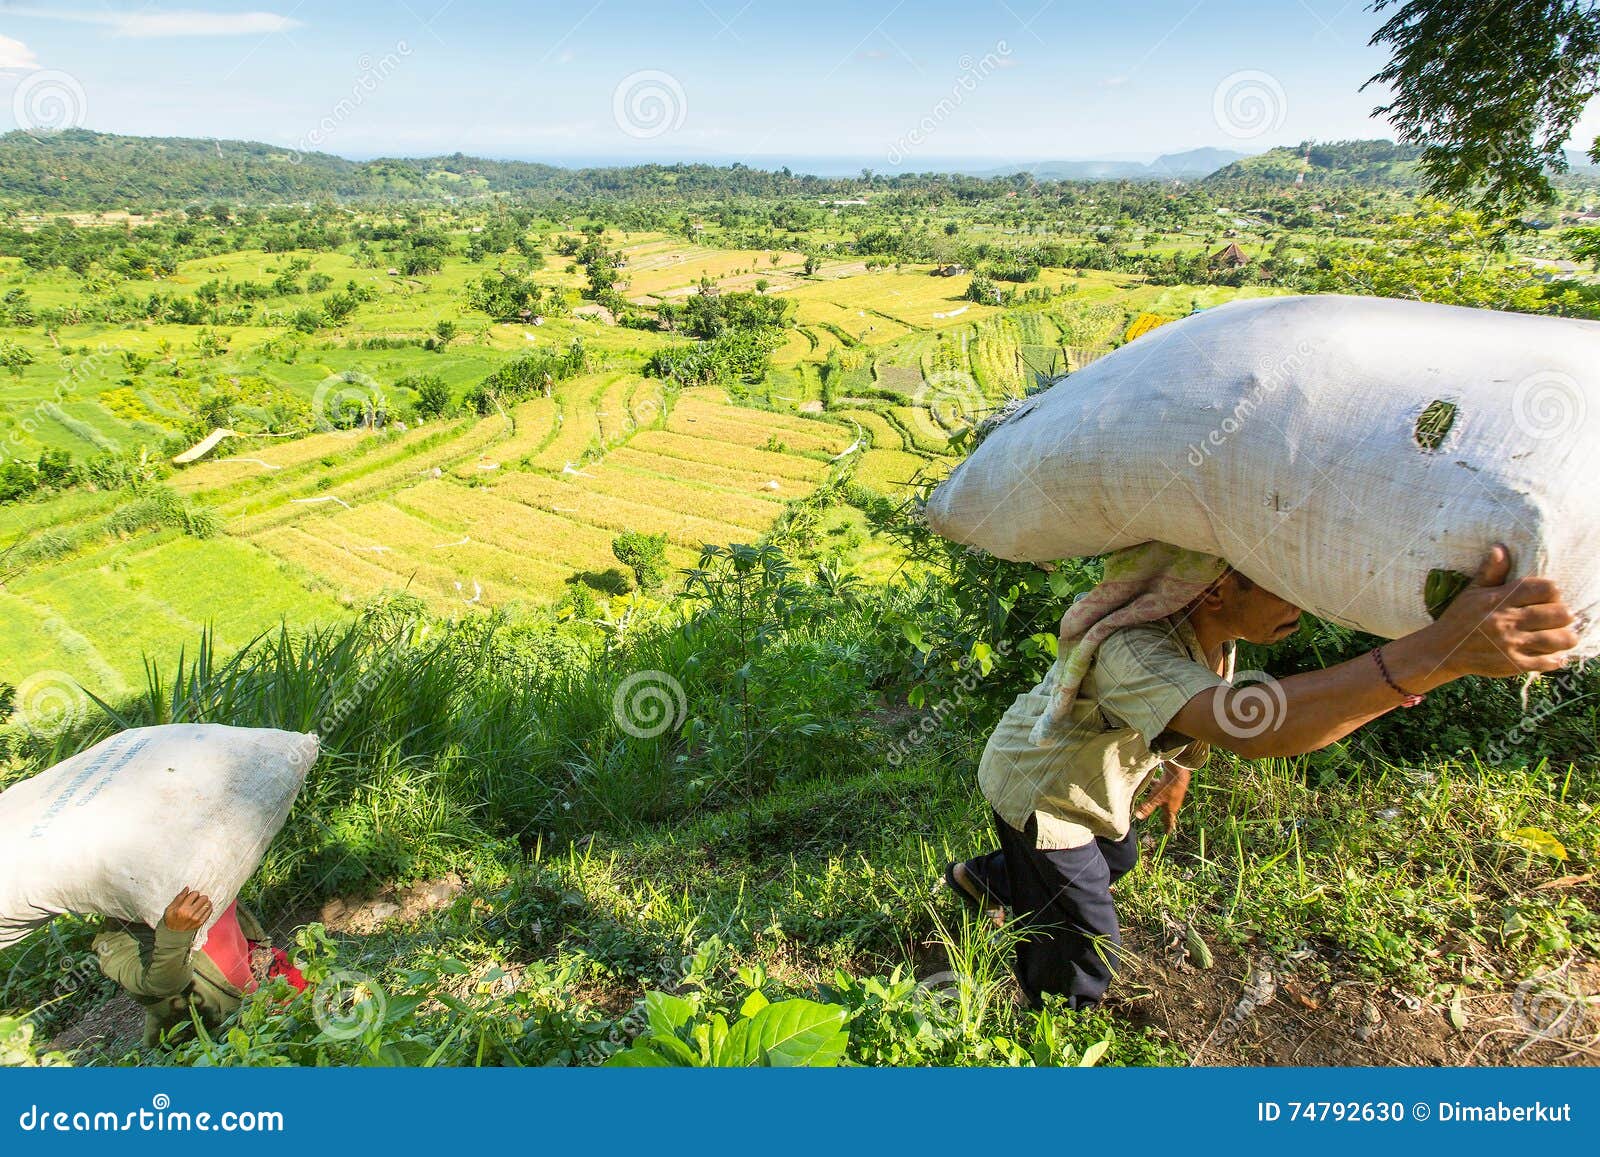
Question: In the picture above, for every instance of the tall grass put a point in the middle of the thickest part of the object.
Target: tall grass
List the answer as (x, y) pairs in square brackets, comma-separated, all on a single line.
[(766, 814)]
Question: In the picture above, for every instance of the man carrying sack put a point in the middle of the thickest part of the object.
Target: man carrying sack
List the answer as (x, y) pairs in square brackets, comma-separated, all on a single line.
[(1142, 681), (161, 969)]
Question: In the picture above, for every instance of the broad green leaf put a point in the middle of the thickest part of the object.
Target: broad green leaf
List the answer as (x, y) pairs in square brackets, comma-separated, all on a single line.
[(1539, 842), (789, 1034), (1092, 1054), (667, 1013), (917, 696), (398, 1008), (1061, 584), (674, 1051), (409, 1054), (753, 1004), (637, 1057)]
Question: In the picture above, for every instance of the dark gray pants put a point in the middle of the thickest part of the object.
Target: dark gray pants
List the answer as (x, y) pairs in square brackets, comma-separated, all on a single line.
[(1061, 901)]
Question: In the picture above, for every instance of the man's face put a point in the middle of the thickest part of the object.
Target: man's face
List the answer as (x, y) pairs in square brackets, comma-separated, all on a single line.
[(1254, 613)]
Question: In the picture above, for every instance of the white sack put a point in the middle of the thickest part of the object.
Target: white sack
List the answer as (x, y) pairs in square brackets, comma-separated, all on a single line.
[(122, 828), (1279, 433)]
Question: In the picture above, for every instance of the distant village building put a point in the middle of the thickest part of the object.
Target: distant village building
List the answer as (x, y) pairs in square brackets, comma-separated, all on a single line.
[(1229, 257)]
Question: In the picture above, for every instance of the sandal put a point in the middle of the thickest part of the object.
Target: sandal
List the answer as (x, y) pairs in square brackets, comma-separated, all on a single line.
[(970, 889)]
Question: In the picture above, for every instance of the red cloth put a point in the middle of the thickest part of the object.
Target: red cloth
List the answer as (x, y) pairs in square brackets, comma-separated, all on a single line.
[(228, 949), (284, 967)]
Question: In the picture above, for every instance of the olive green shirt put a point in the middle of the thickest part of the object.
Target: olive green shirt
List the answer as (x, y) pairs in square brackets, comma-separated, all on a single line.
[(161, 970), (1083, 786)]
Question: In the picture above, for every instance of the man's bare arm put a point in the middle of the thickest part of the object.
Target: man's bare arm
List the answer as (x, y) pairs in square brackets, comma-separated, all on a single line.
[(1492, 628)]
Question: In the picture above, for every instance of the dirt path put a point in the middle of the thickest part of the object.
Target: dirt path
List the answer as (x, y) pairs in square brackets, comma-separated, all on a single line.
[(1213, 1014)]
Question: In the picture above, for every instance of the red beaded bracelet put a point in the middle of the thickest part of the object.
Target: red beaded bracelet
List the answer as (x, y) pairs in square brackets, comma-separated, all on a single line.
[(1407, 699)]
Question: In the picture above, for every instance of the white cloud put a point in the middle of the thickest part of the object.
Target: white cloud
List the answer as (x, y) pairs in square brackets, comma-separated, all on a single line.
[(177, 22), (16, 55)]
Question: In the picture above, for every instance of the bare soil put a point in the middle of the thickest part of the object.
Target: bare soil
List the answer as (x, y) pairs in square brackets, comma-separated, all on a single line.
[(1348, 1021)]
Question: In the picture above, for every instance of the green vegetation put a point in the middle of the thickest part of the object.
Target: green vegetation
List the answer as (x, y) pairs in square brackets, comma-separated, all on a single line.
[(1491, 93), (752, 825), (571, 513)]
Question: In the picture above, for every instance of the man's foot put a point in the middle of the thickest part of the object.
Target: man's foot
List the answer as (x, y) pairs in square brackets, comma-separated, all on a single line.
[(970, 888)]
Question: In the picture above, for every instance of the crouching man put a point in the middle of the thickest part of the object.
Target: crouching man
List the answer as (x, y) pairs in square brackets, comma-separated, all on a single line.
[(1142, 684), (162, 970)]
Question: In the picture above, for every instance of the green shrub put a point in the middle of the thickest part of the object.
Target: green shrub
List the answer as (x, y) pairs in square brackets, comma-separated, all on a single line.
[(644, 554)]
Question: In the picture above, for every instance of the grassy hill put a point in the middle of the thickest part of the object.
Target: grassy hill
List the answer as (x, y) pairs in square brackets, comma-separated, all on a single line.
[(81, 169), (1331, 163)]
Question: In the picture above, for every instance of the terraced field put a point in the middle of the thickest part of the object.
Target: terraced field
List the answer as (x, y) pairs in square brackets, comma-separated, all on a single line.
[(477, 512), (91, 618)]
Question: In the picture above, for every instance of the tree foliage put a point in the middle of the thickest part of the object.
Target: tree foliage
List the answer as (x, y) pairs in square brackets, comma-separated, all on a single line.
[(1491, 89)]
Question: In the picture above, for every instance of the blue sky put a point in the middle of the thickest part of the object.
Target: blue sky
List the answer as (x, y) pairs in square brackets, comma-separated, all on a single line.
[(901, 86)]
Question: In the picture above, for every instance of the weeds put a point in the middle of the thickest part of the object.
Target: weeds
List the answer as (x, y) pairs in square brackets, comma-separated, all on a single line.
[(753, 881)]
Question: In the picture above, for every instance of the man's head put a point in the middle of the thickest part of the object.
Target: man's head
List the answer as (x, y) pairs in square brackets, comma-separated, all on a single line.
[(1236, 608)]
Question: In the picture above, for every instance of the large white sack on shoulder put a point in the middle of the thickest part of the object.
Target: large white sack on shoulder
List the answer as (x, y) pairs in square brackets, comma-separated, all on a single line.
[(118, 830), (1281, 434)]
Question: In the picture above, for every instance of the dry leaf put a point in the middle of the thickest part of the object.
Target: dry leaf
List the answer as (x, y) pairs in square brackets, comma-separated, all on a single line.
[(1565, 882)]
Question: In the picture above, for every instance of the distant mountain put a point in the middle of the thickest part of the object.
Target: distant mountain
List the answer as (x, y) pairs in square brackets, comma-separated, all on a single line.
[(1375, 163), (79, 169), (1191, 165), (1195, 162)]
